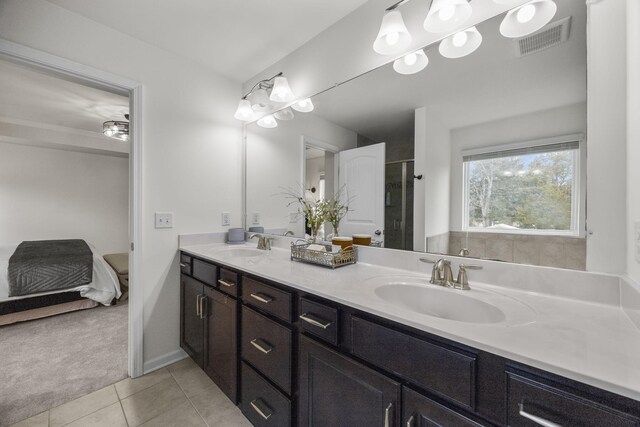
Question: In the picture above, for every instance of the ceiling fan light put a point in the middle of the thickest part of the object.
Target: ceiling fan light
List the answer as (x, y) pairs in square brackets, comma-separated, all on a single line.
[(244, 111), (303, 106), (446, 15), (268, 122), (528, 18), (461, 43), (411, 63), (393, 36), (281, 91), (284, 114)]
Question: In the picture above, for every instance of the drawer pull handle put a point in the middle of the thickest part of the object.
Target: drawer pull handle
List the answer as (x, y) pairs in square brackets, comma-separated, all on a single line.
[(225, 283), (198, 306), (536, 419), (264, 413), (261, 347), (262, 297), (410, 421), (307, 318), (183, 265), (387, 415)]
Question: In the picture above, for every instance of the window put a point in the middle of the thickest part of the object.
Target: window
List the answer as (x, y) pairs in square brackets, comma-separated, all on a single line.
[(534, 189)]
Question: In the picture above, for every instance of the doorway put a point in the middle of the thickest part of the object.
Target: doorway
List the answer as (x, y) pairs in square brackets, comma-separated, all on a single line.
[(398, 205)]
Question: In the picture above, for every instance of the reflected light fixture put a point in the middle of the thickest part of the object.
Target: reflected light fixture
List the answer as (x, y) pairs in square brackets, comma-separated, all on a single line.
[(528, 18), (461, 43), (262, 96), (411, 63), (116, 129), (268, 122), (284, 114), (446, 15), (304, 105), (393, 36)]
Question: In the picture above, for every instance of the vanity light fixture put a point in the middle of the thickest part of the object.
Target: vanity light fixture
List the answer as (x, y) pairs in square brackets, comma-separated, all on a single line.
[(461, 43), (262, 96), (393, 36), (411, 63), (446, 15), (116, 129), (284, 114), (528, 18), (304, 105), (268, 122)]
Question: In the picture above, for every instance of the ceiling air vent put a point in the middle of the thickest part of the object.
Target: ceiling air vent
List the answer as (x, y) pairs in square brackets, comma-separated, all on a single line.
[(550, 35)]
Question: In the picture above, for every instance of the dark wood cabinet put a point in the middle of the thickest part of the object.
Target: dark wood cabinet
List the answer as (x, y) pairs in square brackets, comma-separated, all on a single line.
[(191, 324), (420, 411), (337, 391), (220, 341)]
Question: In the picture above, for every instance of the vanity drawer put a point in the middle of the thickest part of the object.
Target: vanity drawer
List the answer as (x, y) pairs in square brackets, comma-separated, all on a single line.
[(266, 345), (205, 272), (228, 282), (547, 402), (419, 410), (267, 298), (446, 372), (319, 320), (185, 264), (262, 403)]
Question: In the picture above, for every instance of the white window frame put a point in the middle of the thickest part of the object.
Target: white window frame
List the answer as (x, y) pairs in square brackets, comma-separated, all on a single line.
[(578, 194)]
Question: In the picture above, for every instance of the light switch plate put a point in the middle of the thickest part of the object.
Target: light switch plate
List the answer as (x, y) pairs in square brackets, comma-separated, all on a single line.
[(164, 219), (255, 218), (226, 219), (636, 233)]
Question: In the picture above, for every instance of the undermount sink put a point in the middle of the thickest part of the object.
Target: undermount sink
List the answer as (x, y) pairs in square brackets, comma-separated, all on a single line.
[(474, 306)]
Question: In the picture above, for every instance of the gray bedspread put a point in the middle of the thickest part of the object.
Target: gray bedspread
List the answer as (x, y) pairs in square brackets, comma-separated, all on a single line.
[(48, 265)]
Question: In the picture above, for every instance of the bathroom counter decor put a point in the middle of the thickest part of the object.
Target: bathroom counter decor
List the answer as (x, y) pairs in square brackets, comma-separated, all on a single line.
[(346, 256)]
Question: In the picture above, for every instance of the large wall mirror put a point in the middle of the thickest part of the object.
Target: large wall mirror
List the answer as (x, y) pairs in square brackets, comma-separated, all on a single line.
[(483, 155)]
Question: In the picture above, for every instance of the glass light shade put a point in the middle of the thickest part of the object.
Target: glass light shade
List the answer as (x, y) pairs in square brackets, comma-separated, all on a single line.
[(116, 129), (411, 63), (260, 101), (244, 111), (528, 18), (506, 1), (284, 114), (461, 44), (268, 122), (304, 105), (393, 36), (446, 15), (281, 91)]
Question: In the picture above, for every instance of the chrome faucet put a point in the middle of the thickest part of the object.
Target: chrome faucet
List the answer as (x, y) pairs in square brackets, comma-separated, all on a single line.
[(443, 276), (288, 233), (264, 242)]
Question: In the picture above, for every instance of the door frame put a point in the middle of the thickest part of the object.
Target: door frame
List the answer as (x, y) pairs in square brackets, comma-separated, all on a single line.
[(61, 67)]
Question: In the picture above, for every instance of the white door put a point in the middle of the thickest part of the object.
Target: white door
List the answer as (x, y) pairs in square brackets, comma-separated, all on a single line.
[(361, 176)]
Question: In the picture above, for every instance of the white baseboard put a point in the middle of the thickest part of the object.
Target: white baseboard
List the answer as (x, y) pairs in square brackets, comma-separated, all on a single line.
[(164, 360)]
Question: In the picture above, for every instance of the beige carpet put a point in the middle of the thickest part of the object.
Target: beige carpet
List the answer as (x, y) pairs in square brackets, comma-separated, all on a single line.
[(47, 362)]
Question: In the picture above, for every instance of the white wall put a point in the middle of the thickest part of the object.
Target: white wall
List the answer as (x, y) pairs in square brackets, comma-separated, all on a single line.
[(543, 124), (191, 145), (274, 163), (633, 133), (606, 151), (313, 170), (55, 194)]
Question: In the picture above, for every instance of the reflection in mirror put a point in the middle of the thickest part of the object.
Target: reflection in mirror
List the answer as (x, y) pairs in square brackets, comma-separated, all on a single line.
[(519, 104)]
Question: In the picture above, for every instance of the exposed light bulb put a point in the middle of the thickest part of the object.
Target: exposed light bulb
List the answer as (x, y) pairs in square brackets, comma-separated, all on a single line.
[(459, 39), (447, 11), (393, 38), (526, 13), (411, 58)]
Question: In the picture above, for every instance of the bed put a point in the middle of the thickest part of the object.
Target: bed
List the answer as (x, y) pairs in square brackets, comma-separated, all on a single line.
[(102, 289)]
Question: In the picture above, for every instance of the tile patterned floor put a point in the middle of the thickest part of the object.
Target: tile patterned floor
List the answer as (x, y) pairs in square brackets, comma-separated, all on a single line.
[(179, 395)]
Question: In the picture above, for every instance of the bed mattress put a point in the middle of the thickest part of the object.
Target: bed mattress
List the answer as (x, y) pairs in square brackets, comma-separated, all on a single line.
[(103, 288)]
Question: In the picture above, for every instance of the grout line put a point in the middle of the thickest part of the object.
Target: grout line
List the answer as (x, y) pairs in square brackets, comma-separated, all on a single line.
[(124, 414)]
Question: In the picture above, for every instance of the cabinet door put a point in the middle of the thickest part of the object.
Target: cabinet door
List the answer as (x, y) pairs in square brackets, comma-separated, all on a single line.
[(337, 391), (191, 324), (420, 411), (221, 344)]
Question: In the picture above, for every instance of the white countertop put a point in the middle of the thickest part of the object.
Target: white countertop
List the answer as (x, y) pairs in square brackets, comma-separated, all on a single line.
[(586, 341)]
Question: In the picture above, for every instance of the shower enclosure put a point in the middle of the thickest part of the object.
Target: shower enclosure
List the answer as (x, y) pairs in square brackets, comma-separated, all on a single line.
[(398, 201)]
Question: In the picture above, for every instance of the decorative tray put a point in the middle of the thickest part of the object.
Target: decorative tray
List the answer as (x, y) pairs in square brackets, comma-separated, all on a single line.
[(346, 256)]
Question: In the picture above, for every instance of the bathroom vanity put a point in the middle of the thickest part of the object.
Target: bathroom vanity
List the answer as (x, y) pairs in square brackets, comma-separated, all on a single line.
[(296, 344)]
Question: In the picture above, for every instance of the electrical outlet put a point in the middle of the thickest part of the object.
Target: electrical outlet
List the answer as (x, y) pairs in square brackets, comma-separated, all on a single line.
[(293, 217), (637, 240), (226, 219), (164, 219), (255, 218)]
